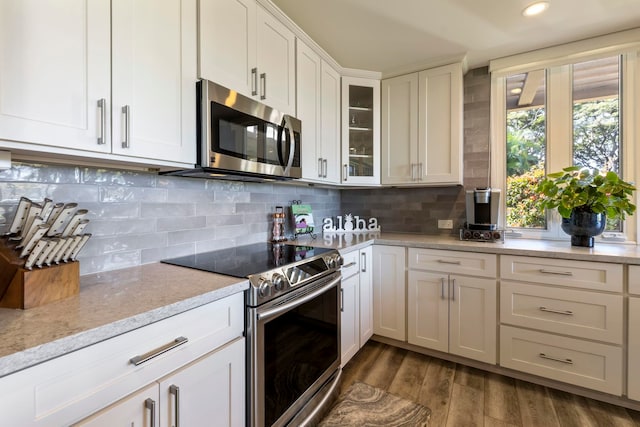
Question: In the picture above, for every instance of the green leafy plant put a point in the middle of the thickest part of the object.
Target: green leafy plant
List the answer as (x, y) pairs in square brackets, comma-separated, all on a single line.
[(587, 190)]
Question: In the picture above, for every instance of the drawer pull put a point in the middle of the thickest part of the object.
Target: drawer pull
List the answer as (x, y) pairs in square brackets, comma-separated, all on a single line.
[(556, 359), (559, 273), (444, 261), (150, 404), (552, 310), (138, 360), (351, 264)]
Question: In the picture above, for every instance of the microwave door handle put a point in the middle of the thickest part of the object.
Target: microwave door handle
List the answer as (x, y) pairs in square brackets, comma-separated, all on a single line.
[(292, 146)]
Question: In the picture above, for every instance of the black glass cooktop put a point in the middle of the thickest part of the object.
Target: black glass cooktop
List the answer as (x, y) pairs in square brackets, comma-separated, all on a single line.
[(243, 261)]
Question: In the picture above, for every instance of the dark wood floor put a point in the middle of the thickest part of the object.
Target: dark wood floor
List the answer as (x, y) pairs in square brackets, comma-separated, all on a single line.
[(459, 396)]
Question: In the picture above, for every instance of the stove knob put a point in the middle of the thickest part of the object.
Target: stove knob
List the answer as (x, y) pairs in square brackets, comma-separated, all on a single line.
[(264, 288), (335, 261), (278, 281), (339, 260)]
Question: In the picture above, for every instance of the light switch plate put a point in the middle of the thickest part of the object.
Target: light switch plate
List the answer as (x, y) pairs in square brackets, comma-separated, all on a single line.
[(445, 223), (5, 160)]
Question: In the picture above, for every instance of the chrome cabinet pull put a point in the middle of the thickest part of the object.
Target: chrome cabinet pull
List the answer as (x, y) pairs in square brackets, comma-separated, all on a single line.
[(444, 261), (341, 300), (552, 310), (150, 404), (413, 174), (102, 107), (364, 262), (442, 288), (175, 390), (351, 264), (556, 359), (453, 289), (263, 84), (420, 171), (319, 167), (126, 111), (254, 81), (138, 360), (559, 273), (324, 166), (344, 171)]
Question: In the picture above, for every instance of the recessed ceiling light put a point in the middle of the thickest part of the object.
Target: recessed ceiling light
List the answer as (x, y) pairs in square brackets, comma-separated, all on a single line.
[(516, 91), (535, 8)]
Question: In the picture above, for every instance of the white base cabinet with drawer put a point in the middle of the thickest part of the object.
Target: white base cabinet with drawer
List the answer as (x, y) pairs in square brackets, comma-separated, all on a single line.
[(633, 357), (389, 305), (78, 385), (451, 312), (356, 303)]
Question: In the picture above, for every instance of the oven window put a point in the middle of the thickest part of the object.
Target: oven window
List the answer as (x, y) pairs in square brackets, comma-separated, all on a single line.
[(300, 346)]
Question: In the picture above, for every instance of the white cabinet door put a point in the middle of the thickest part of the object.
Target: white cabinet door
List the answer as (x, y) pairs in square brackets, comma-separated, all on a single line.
[(366, 295), (138, 409), (399, 155), (428, 310), (440, 125), (349, 319), (633, 373), (210, 391), (388, 265), (276, 63), (154, 74), (308, 106), (54, 68), (472, 318), (227, 44), (330, 123)]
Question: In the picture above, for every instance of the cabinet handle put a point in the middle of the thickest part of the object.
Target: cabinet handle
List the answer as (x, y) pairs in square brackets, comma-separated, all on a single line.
[(319, 167), (420, 171), (175, 390), (444, 261), (453, 289), (551, 310), (556, 359), (324, 166), (138, 360), (351, 264), (344, 172), (263, 84), (413, 175), (254, 81), (364, 262), (559, 273), (102, 107), (341, 300), (150, 404), (126, 111), (442, 288)]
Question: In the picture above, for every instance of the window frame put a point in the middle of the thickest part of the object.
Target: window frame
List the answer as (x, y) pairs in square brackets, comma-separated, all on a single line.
[(557, 63)]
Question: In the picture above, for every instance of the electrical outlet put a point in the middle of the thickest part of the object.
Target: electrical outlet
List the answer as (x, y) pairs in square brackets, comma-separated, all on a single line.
[(445, 223)]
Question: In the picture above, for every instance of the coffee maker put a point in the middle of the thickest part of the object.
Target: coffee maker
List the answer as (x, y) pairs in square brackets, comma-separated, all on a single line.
[(482, 215)]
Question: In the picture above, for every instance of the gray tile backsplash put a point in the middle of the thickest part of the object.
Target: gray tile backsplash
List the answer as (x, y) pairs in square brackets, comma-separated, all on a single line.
[(138, 218)]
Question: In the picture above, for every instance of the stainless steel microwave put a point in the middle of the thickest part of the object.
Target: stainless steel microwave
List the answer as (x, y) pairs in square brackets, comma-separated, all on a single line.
[(241, 138)]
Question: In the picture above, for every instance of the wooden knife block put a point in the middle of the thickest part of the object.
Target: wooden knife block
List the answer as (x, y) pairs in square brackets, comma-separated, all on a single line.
[(22, 288)]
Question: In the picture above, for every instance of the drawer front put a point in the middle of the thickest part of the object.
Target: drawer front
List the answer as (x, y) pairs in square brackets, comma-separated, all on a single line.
[(469, 263), (634, 279), (583, 314), (351, 265), (633, 371), (579, 274), (69, 388), (582, 363)]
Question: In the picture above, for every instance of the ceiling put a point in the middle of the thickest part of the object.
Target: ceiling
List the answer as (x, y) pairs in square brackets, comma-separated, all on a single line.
[(392, 36)]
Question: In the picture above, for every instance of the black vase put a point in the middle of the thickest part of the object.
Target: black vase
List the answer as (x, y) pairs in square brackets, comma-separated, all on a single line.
[(582, 226)]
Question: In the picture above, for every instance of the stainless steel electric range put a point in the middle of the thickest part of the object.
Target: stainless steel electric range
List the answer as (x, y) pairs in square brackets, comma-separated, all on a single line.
[(292, 327)]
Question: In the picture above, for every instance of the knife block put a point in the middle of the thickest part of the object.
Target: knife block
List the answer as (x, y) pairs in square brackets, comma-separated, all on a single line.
[(22, 288)]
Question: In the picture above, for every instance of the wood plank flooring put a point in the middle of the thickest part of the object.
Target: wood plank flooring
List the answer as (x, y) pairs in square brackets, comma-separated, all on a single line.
[(459, 396)]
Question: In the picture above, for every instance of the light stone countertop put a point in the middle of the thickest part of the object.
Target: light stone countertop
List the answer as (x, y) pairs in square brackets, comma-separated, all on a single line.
[(109, 304)]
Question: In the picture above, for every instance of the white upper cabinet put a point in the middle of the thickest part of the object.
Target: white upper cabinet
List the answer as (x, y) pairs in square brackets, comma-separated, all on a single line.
[(101, 79), (54, 70), (422, 132), (154, 74), (244, 48), (318, 107)]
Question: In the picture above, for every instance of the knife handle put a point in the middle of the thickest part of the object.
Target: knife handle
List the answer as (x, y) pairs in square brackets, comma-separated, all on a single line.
[(79, 246), (33, 256), (54, 251), (51, 243), (20, 216)]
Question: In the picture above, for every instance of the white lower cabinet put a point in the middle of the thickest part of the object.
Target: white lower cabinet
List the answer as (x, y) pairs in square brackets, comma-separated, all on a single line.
[(452, 313), (100, 385), (210, 391), (633, 374), (389, 305), (356, 304)]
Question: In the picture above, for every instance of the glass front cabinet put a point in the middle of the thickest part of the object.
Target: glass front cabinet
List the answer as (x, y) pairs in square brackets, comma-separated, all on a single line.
[(360, 131)]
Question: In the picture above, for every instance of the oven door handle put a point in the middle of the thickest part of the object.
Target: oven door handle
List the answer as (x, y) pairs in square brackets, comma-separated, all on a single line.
[(277, 310)]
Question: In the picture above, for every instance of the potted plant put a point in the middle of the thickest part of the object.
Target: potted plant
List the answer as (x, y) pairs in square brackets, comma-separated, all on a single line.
[(585, 198)]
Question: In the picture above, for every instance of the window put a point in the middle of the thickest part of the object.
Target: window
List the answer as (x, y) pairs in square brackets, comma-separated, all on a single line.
[(549, 116)]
